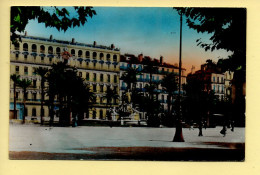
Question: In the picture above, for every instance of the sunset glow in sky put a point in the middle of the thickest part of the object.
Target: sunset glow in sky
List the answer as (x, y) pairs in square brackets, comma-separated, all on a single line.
[(151, 31)]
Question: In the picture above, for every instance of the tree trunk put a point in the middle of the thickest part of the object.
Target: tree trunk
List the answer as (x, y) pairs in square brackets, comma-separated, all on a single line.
[(15, 113), (178, 137), (51, 109), (169, 105), (42, 98), (24, 93)]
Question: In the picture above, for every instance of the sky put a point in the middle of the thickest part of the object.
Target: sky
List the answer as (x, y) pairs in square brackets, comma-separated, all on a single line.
[(152, 31)]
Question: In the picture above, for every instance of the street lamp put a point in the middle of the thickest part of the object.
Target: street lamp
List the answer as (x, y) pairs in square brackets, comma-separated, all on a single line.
[(178, 137)]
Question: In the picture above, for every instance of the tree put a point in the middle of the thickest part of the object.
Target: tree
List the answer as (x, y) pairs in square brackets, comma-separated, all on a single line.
[(57, 17), (111, 94), (228, 29), (169, 84), (16, 80), (225, 25), (73, 94), (42, 73), (24, 84), (129, 77)]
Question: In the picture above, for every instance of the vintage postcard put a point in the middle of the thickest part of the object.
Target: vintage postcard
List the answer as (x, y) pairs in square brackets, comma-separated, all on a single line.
[(127, 83)]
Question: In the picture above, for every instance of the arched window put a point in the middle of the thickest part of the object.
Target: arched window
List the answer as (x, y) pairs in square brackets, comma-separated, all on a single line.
[(101, 77), (108, 57), (87, 54), (115, 79), (101, 114), (34, 48), (115, 58), (94, 76), (80, 53), (72, 52), (50, 50), (42, 49), (17, 46), (101, 55), (25, 70), (25, 47), (108, 78), (94, 114), (58, 51), (34, 112), (94, 55)]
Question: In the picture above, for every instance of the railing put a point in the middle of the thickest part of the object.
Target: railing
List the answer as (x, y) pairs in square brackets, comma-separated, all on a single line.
[(25, 49)]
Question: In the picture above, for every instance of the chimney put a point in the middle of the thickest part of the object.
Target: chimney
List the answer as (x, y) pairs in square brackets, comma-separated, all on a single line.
[(51, 37), (140, 57), (73, 40), (95, 43), (192, 69), (161, 60), (25, 33)]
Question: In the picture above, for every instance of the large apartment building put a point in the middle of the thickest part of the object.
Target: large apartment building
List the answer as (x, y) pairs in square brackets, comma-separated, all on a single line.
[(214, 80), (97, 64), (143, 77)]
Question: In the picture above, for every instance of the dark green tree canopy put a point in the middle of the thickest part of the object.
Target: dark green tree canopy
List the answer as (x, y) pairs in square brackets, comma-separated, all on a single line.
[(59, 18), (227, 26)]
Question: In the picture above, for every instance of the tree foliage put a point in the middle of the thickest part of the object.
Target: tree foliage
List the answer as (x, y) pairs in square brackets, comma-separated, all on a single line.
[(227, 26), (73, 95), (24, 84), (59, 18)]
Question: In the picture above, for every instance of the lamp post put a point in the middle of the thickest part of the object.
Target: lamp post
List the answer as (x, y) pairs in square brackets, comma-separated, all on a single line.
[(178, 137)]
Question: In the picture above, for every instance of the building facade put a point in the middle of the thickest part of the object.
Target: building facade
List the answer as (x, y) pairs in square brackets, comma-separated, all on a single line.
[(143, 77), (97, 64), (214, 79)]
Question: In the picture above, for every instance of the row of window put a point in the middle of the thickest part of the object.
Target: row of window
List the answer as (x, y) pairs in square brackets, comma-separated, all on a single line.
[(51, 59), (101, 77), (218, 78), (218, 88), (58, 51), (94, 113), (140, 67)]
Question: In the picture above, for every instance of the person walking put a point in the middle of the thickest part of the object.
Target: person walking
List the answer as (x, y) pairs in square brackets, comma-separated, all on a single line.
[(205, 124), (223, 131), (232, 125), (200, 128), (191, 125)]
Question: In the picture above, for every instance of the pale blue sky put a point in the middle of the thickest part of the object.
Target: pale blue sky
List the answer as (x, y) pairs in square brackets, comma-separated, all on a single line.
[(151, 31)]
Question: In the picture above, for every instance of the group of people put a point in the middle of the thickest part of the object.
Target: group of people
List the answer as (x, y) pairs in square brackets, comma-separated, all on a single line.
[(224, 129), (204, 124)]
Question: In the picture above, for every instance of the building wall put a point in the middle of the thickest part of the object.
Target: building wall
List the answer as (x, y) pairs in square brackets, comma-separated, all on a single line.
[(88, 59), (144, 78)]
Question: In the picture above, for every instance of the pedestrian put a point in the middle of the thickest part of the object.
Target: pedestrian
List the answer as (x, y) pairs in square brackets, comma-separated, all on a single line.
[(191, 125), (200, 128), (205, 124), (223, 131), (232, 125)]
